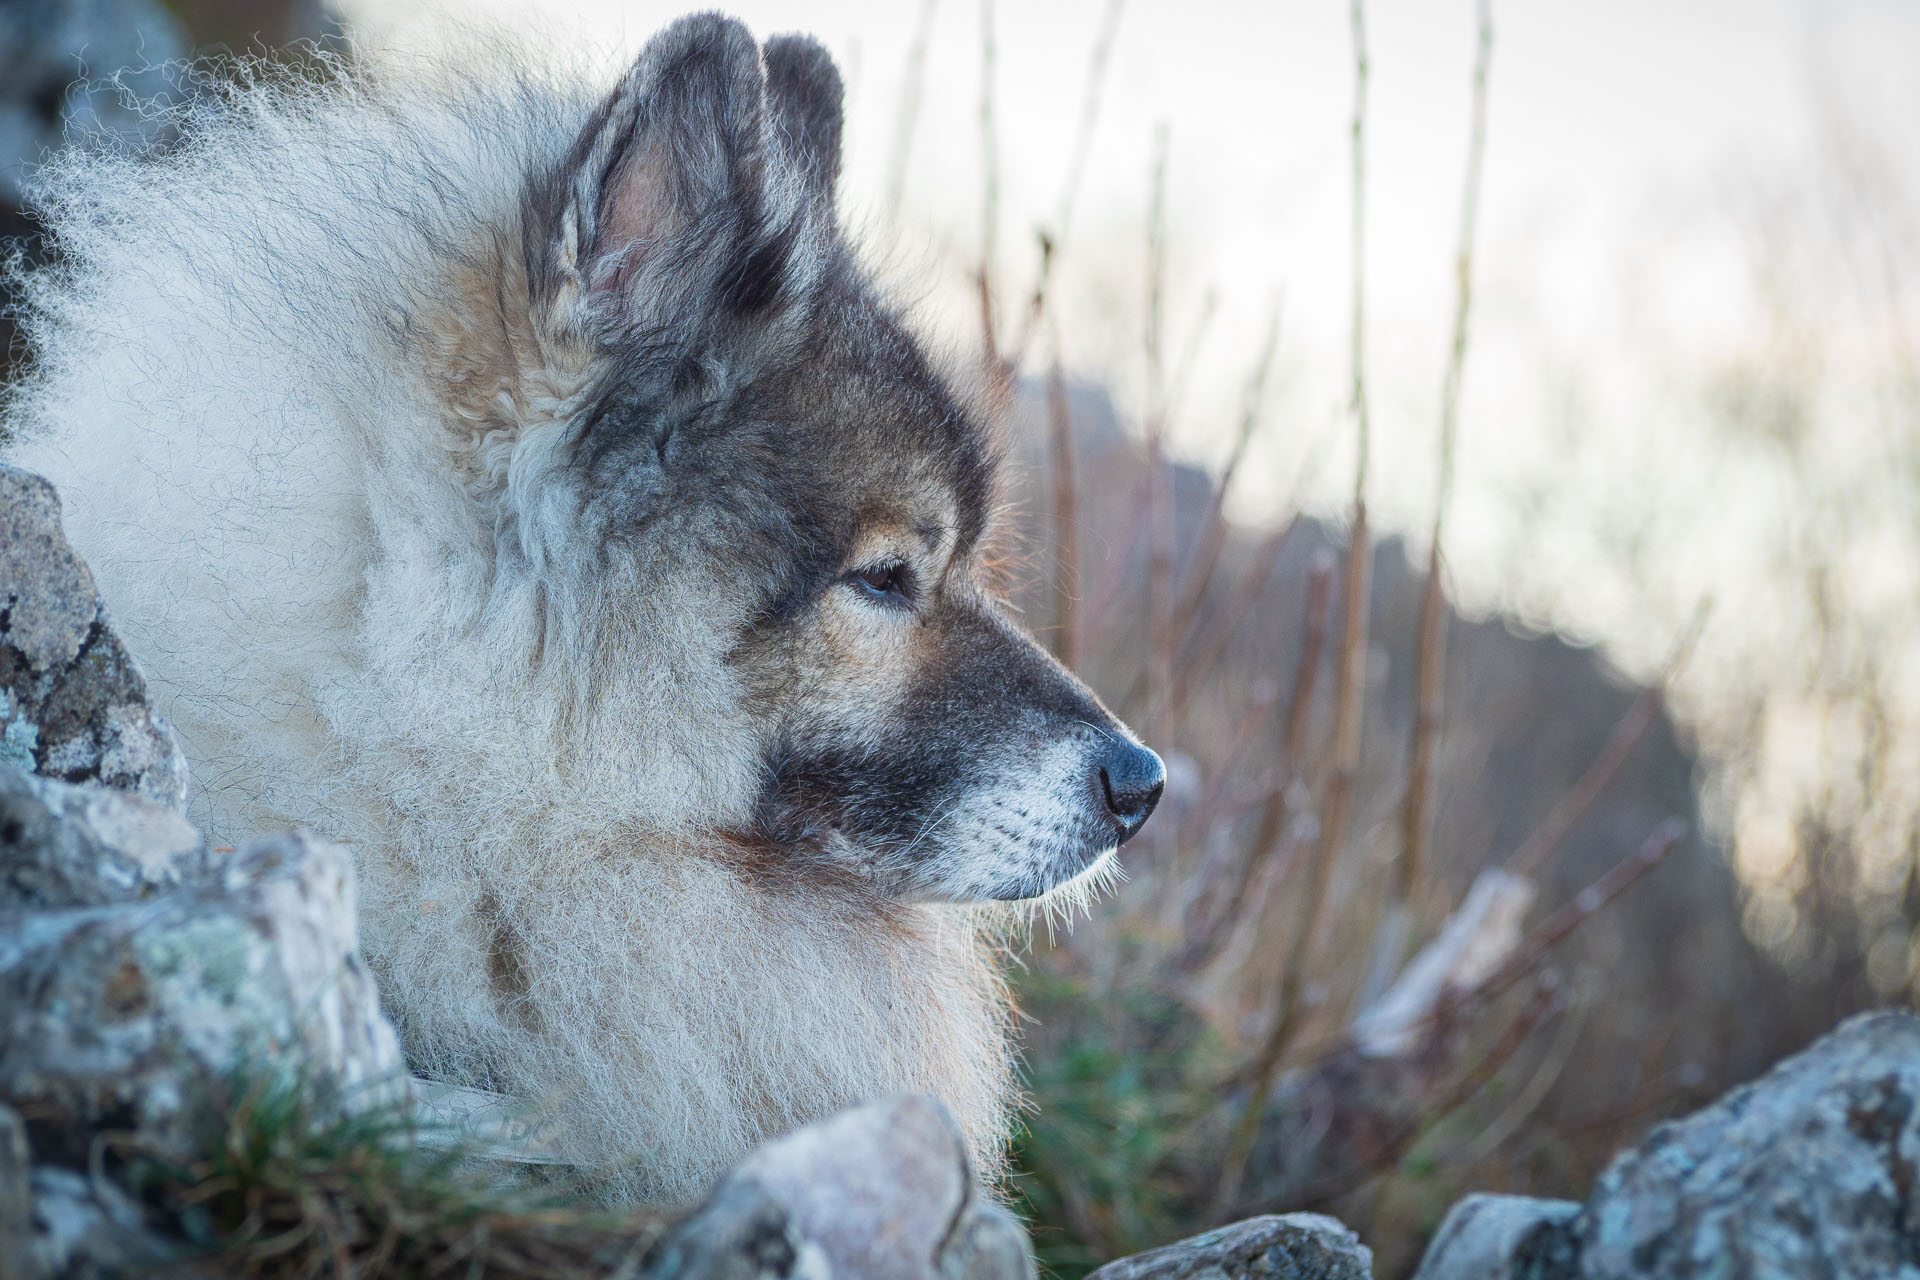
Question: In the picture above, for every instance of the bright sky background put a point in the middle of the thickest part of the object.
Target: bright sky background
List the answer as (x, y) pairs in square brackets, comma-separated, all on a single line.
[(1603, 113)]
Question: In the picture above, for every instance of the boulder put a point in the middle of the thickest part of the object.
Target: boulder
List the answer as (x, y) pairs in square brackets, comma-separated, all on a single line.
[(1811, 1171), (138, 1016), (1492, 1237), (63, 845), (1293, 1246), (72, 704), (880, 1192)]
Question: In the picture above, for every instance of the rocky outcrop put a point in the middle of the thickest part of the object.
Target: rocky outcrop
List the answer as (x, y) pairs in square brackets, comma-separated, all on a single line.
[(73, 846), (73, 706), (882, 1190), (1294, 1246), (1811, 1171), (142, 974), (1491, 1237), (138, 1015)]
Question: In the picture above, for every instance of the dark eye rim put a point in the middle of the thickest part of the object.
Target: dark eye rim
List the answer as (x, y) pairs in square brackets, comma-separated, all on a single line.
[(888, 582)]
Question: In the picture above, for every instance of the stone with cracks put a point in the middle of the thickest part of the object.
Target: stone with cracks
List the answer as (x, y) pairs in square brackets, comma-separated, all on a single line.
[(1809, 1173), (1293, 1246), (138, 1017), (72, 704), (63, 845), (1484, 1236), (879, 1192)]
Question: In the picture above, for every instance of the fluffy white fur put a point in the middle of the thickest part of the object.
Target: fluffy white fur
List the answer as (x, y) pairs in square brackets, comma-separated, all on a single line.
[(228, 396)]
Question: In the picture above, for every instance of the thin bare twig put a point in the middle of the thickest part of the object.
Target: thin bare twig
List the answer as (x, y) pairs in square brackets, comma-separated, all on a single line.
[(1533, 948), (1349, 671), (1293, 738), (1543, 1002), (1541, 843), (1582, 906), (1272, 827), (1053, 238), (1430, 643), (907, 115), (989, 200), (1200, 566), (1160, 544), (1190, 354), (1113, 572), (1066, 514), (1201, 655)]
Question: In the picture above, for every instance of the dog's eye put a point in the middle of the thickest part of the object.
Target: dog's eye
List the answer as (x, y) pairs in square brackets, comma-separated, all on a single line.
[(888, 580)]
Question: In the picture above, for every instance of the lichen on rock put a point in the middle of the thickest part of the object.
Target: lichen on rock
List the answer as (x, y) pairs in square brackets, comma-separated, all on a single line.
[(74, 706)]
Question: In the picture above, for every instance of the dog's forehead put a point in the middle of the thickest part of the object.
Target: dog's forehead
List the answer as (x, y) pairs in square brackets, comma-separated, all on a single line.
[(902, 446)]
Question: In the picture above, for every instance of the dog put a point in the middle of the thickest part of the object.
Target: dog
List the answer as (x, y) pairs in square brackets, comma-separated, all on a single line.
[(524, 482)]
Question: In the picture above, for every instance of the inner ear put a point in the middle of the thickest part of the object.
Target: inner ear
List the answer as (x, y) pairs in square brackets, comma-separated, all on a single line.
[(671, 191), (684, 139)]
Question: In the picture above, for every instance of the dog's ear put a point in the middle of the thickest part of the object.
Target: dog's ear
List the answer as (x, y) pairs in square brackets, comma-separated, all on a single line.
[(804, 90), (677, 223)]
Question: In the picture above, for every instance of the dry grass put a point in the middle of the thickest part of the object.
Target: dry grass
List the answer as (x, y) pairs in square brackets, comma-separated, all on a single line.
[(293, 1184)]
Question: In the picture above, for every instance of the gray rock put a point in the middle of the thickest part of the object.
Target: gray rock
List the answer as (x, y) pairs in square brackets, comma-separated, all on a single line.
[(879, 1191), (16, 1195), (57, 1222), (63, 845), (72, 704), (1813, 1170), (741, 1233), (87, 1229), (1486, 1237), (1294, 1246), (137, 1016)]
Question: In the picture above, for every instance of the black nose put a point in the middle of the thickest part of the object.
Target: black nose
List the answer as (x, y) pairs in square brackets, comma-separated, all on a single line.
[(1133, 779)]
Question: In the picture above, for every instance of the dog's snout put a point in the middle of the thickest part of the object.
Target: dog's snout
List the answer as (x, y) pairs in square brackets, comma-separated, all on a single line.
[(1132, 778)]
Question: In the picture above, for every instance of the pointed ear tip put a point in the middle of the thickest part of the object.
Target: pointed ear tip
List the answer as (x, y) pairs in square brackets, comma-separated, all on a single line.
[(707, 32), (801, 56)]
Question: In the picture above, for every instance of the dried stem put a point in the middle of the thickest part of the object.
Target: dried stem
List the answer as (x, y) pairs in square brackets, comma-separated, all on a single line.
[(1100, 599), (989, 203), (1257, 708), (1544, 1001), (1200, 567), (1430, 648), (1430, 644), (1349, 671), (1463, 268), (1293, 738), (1203, 653), (1541, 843), (1583, 905), (1190, 354), (1272, 827), (1053, 237), (1066, 514), (907, 115), (1160, 546), (1362, 423), (1534, 947)]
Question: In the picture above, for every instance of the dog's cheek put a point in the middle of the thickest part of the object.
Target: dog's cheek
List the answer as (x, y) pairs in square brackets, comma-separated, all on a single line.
[(857, 667)]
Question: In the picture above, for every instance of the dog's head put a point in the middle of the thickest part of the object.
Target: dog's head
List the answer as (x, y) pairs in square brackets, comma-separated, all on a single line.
[(753, 449)]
